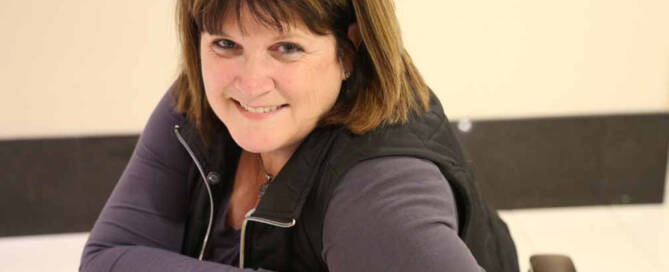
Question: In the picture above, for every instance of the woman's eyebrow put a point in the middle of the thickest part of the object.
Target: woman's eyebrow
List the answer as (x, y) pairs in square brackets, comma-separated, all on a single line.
[(218, 32), (289, 35), (283, 35)]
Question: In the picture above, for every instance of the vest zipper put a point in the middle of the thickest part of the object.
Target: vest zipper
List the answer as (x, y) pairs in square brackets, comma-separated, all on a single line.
[(248, 218), (206, 185)]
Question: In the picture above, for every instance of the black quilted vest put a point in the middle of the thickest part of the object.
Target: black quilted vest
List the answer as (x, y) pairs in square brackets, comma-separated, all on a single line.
[(284, 232)]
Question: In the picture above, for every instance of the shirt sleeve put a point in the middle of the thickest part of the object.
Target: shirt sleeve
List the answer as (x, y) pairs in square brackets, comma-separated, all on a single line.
[(394, 214), (141, 226)]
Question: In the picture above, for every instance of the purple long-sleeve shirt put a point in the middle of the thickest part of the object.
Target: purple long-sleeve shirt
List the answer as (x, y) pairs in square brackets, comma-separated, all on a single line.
[(387, 214)]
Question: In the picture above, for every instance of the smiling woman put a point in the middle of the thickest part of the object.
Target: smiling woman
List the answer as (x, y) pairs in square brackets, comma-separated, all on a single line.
[(269, 88), (304, 139)]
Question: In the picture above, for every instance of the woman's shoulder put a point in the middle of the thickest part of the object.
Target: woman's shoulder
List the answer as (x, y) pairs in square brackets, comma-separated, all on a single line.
[(391, 165), (396, 213), (395, 180), (158, 139), (164, 116), (165, 112)]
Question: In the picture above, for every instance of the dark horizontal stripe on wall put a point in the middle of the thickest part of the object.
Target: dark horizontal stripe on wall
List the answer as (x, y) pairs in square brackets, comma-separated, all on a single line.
[(60, 185), (569, 161)]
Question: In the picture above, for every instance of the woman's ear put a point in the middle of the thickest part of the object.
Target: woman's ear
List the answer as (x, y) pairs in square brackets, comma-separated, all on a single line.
[(354, 35)]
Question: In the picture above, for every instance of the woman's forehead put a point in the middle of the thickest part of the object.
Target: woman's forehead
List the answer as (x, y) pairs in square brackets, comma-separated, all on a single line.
[(248, 23), (244, 16)]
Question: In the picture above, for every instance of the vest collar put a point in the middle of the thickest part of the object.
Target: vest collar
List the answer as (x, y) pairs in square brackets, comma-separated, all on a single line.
[(283, 201), (285, 197)]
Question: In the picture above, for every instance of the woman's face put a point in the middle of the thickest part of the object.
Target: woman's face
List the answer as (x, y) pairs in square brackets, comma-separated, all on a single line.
[(268, 87)]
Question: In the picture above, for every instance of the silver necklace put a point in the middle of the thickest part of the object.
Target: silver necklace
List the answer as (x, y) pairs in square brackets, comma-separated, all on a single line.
[(268, 178)]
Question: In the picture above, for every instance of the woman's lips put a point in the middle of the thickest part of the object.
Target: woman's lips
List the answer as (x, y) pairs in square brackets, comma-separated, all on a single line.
[(258, 112)]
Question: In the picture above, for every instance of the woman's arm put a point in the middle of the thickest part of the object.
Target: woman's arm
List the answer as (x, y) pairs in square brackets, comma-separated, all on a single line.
[(141, 226), (394, 214)]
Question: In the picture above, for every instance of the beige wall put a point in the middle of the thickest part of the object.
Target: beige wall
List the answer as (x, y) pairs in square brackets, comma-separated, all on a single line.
[(78, 67), (98, 67), (499, 59)]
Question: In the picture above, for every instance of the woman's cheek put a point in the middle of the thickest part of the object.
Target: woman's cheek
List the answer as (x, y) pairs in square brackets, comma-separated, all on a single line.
[(217, 74), (287, 81)]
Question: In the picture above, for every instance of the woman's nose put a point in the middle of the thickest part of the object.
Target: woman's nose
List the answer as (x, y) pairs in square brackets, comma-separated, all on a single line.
[(254, 77)]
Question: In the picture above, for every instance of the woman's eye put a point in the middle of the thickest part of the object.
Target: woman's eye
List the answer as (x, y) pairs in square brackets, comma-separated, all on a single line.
[(289, 48), (225, 44)]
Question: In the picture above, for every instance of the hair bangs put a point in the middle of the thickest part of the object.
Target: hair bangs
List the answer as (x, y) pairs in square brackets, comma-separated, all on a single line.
[(208, 15)]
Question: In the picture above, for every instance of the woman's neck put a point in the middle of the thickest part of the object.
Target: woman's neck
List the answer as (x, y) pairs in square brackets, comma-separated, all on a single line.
[(274, 161)]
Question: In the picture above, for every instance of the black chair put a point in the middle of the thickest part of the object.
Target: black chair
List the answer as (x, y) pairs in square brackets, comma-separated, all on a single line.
[(551, 263)]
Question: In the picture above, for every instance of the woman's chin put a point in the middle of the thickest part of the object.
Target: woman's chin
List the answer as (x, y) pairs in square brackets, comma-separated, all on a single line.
[(256, 144), (256, 148)]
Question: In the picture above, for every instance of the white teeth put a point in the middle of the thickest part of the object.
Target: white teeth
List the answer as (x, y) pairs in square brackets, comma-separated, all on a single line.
[(258, 110)]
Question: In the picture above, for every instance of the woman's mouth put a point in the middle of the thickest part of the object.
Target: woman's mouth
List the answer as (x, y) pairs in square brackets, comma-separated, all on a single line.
[(259, 110)]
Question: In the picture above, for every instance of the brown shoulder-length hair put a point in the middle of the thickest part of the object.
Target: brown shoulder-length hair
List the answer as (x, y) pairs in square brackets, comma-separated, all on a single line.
[(384, 87)]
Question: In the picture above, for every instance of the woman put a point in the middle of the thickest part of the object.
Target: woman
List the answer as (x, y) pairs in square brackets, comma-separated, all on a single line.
[(299, 137)]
